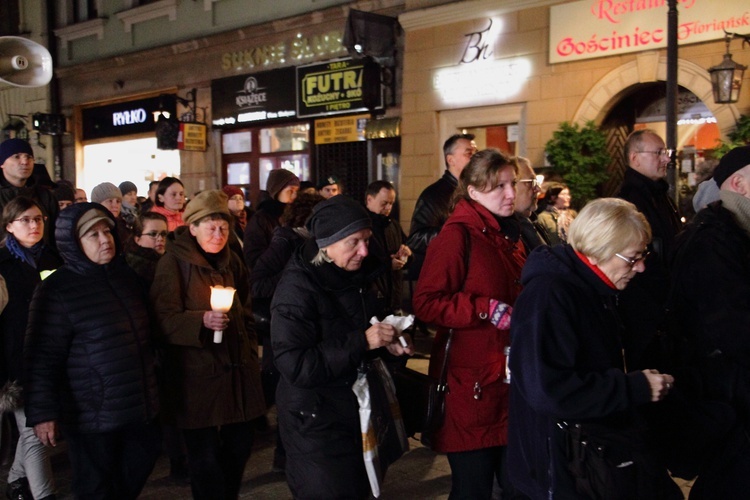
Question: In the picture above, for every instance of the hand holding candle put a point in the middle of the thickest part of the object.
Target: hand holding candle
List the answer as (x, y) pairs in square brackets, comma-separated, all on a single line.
[(221, 301)]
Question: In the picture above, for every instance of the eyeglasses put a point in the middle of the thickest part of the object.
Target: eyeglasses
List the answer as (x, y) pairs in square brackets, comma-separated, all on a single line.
[(535, 184), (634, 262), (662, 152), (154, 235), (26, 221)]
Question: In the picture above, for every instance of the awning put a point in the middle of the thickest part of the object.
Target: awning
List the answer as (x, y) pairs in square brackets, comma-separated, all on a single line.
[(383, 128)]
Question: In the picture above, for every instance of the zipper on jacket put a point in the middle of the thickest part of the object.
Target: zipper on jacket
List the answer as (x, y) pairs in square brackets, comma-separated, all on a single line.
[(477, 391)]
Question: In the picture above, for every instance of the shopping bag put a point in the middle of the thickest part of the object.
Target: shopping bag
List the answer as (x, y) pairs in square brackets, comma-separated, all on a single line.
[(383, 435)]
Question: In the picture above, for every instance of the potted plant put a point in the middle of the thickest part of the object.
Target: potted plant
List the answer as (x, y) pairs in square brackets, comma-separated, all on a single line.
[(580, 156), (739, 137)]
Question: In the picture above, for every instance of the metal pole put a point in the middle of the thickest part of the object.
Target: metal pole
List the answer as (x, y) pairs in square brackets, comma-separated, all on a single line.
[(671, 138)]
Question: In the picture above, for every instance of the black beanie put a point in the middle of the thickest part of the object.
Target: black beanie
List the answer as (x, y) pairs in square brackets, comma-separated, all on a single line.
[(735, 160), (336, 218)]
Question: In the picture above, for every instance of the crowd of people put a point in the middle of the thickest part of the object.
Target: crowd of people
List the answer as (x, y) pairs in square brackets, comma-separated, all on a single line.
[(587, 354)]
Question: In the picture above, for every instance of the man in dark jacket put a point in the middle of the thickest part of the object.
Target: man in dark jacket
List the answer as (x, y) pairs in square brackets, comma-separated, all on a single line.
[(527, 191), (711, 300), (16, 179), (434, 204), (642, 303), (89, 364)]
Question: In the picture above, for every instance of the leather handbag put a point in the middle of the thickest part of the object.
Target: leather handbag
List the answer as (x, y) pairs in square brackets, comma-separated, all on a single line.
[(435, 410)]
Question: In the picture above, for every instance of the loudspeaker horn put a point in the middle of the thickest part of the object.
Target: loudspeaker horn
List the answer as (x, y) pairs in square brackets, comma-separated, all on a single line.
[(24, 63)]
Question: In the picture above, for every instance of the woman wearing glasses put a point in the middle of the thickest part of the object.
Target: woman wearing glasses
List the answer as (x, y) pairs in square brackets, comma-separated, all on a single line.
[(23, 256), (148, 245), (211, 390), (574, 405)]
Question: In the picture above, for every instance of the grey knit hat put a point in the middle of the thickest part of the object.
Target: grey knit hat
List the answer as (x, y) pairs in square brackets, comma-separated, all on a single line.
[(336, 218), (105, 191), (127, 186)]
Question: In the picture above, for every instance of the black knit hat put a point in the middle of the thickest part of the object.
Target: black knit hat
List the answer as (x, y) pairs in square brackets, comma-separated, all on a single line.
[(127, 187), (336, 218), (327, 181), (731, 162), (11, 147)]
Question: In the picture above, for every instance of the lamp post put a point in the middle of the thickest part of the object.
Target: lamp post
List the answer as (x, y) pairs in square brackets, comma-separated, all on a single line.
[(671, 111), (221, 301), (726, 77)]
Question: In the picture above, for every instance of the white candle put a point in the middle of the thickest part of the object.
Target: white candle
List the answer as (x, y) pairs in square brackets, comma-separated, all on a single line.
[(221, 301)]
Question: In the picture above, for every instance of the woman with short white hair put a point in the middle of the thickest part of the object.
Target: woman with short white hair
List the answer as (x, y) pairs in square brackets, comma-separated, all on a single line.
[(574, 406)]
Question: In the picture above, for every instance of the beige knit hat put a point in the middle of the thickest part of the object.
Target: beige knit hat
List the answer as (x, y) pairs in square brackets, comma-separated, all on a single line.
[(105, 191)]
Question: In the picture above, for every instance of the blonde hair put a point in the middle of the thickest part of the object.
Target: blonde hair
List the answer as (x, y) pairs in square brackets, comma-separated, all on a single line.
[(608, 226)]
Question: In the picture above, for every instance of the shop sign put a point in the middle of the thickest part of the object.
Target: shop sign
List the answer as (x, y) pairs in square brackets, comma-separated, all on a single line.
[(599, 28), (341, 86), (192, 136), (465, 84), (260, 97), (299, 49), (341, 129), (124, 118)]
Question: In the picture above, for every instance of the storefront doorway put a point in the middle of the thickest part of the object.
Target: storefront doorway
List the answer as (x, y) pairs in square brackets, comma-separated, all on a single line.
[(135, 160)]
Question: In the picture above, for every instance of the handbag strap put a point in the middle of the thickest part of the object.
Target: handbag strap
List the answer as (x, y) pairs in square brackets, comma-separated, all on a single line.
[(442, 381)]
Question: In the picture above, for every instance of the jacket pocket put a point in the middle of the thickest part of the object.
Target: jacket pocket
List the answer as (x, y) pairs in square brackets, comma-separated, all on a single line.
[(479, 395)]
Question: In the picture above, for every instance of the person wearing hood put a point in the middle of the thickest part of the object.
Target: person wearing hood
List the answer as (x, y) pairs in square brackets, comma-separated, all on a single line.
[(89, 361), (571, 392), (468, 285), (387, 244), (282, 186), (211, 390), (321, 333), (17, 179), (24, 261)]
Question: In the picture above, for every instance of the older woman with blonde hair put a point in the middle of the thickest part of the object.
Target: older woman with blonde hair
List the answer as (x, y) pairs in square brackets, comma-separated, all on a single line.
[(574, 405)]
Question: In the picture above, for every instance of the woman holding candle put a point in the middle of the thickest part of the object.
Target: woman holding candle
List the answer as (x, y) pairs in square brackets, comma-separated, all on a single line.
[(211, 390)]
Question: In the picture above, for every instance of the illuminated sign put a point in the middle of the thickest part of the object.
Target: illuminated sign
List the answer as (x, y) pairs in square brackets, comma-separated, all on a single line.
[(341, 86), (299, 49), (341, 129), (261, 97), (464, 83), (123, 118), (599, 28)]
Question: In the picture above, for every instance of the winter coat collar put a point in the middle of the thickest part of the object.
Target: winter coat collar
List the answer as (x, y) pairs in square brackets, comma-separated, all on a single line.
[(636, 178), (475, 215)]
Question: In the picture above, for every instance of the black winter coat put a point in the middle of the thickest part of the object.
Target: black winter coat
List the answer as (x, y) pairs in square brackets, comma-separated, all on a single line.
[(387, 238), (21, 280), (319, 316), (566, 364), (89, 361), (642, 302), (259, 230), (430, 213)]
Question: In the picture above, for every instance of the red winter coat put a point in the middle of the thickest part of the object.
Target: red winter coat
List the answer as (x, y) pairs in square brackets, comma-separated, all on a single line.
[(476, 414)]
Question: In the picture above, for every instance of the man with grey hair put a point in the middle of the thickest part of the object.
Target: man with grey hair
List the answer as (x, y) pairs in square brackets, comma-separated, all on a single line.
[(710, 298), (527, 192)]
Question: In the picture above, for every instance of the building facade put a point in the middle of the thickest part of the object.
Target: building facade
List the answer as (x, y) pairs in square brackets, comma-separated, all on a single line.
[(511, 72)]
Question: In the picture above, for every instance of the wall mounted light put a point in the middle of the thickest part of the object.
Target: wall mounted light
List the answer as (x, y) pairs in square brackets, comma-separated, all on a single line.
[(726, 77)]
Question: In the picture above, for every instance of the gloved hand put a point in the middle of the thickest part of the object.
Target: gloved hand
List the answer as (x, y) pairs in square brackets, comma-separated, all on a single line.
[(499, 314)]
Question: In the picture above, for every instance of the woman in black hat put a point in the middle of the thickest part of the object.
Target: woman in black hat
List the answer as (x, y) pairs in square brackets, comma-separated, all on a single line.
[(320, 334)]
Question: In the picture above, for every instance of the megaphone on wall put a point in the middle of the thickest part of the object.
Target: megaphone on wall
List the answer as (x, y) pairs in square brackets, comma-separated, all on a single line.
[(24, 63)]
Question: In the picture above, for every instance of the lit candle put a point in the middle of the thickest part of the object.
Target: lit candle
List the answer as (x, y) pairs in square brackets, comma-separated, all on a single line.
[(221, 301)]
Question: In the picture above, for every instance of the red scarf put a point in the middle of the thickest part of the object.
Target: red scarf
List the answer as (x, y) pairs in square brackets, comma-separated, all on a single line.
[(596, 270)]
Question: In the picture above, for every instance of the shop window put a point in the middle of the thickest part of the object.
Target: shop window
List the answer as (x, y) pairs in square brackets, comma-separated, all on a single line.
[(349, 162), (291, 138), (237, 142), (238, 173)]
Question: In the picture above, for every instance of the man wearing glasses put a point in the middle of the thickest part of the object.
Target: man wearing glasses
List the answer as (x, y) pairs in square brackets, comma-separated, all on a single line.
[(642, 303), (527, 192), (16, 179)]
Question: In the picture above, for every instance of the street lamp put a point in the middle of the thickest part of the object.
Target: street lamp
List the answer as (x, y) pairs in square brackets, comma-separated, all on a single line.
[(726, 77)]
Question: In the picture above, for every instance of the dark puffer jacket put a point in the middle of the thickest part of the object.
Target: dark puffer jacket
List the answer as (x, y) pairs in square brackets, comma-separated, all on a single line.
[(89, 362), (318, 322), (205, 384)]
